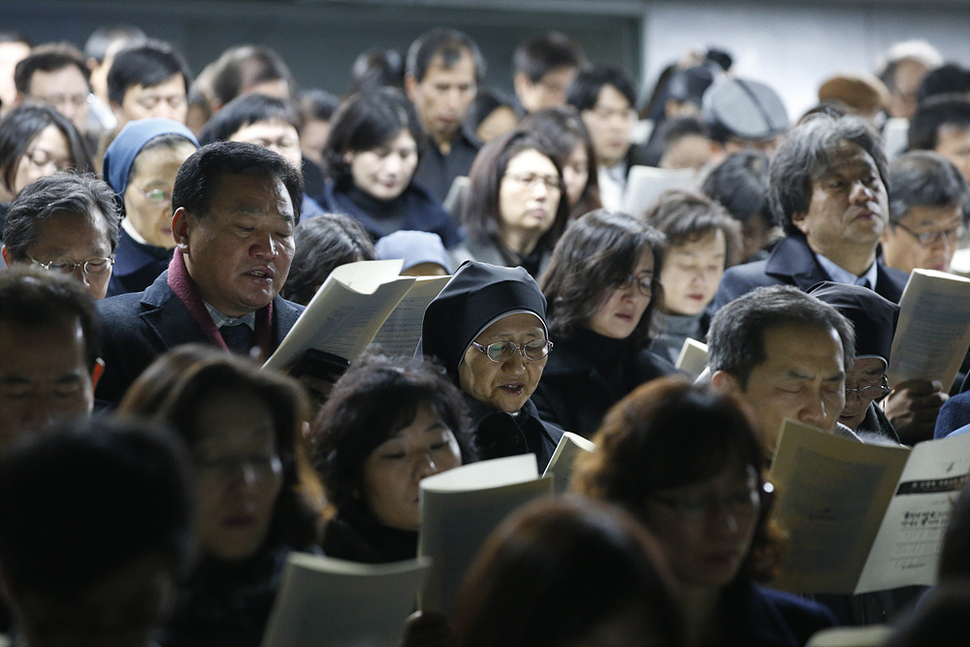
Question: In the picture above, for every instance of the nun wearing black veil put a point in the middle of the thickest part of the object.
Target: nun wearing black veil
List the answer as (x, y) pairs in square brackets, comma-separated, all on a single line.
[(487, 328)]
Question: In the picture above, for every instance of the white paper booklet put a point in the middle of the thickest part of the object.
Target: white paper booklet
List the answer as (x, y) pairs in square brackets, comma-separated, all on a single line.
[(325, 602), (560, 466), (346, 312), (402, 329), (862, 517), (933, 331), (693, 358), (459, 510)]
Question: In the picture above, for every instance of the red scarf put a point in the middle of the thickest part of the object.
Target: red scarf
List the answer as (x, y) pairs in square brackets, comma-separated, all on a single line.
[(184, 288)]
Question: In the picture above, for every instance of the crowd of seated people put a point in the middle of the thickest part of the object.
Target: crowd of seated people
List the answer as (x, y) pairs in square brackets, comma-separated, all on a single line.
[(163, 231)]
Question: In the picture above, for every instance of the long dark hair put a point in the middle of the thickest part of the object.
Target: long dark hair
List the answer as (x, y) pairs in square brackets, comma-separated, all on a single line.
[(22, 125), (597, 251), (482, 216), (669, 434)]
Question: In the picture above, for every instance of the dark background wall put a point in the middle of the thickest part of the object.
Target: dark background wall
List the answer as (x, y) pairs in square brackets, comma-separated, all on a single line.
[(320, 40)]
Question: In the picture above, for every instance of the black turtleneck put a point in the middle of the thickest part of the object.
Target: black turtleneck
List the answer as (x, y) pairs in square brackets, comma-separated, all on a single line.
[(354, 534), (387, 214)]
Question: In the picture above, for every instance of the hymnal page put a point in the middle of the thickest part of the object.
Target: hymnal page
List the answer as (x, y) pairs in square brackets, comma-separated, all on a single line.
[(459, 510), (327, 602), (346, 312), (560, 466), (455, 199), (933, 331), (645, 183), (832, 493), (401, 331), (907, 548), (693, 357)]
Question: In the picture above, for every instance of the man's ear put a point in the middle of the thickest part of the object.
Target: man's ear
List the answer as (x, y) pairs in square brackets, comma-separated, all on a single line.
[(410, 86), (180, 229), (7, 256), (19, 99), (798, 219), (521, 84), (726, 383), (97, 372)]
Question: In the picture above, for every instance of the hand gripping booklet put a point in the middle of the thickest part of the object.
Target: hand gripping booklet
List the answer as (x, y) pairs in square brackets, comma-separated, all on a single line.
[(459, 510), (863, 517), (351, 308), (325, 602), (571, 446)]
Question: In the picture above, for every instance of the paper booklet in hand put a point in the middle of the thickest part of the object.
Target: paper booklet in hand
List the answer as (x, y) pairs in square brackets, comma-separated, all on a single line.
[(325, 602), (354, 306), (571, 446), (693, 358), (862, 517), (933, 330), (459, 510)]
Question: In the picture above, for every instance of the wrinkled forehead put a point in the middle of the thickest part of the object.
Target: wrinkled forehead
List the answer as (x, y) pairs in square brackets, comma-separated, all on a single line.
[(513, 322)]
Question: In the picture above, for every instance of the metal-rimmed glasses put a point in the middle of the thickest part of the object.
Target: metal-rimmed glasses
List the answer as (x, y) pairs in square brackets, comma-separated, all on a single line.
[(503, 351), (927, 238), (158, 196), (870, 391), (92, 267)]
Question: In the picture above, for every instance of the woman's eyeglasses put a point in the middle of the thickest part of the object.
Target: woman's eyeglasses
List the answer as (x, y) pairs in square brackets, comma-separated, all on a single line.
[(503, 351)]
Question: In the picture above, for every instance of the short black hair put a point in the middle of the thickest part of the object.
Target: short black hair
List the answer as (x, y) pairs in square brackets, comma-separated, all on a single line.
[(740, 183), (323, 243), (537, 57), (599, 250), (147, 65), (377, 68), (585, 89), (935, 114), (242, 66), (685, 216), (373, 400), (33, 299), (447, 43), (365, 121), (198, 176), (804, 156), (102, 38), (61, 193), (950, 78), (22, 125), (49, 58), (84, 501), (245, 110), (316, 104), (736, 339), (924, 179)]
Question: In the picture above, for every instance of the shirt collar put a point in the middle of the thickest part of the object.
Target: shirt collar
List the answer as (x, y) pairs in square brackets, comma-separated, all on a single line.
[(841, 275), (221, 320)]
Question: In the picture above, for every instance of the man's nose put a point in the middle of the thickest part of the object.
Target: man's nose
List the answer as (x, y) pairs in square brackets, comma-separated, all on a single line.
[(813, 411)]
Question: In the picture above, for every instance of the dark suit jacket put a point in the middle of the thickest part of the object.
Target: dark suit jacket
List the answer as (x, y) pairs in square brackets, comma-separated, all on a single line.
[(141, 326), (136, 266), (792, 262)]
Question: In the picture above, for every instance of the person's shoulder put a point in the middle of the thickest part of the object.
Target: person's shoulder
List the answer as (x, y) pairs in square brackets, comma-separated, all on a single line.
[(740, 280), (803, 617)]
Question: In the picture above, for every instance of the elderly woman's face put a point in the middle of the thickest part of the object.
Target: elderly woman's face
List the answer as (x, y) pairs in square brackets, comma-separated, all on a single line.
[(706, 528), (238, 474), (504, 385), (148, 197), (862, 384), (394, 469)]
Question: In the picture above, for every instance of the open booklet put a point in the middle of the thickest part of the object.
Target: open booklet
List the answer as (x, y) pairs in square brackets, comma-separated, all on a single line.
[(351, 307), (459, 510), (644, 185), (560, 466), (693, 358), (326, 602), (862, 517), (933, 331)]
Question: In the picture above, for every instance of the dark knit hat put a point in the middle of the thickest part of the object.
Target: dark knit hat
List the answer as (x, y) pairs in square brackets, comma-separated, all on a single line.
[(872, 316), (476, 295)]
